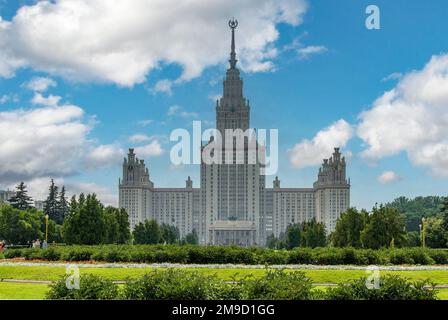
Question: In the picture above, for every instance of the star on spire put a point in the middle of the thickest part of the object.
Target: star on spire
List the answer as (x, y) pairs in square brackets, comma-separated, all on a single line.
[(233, 24)]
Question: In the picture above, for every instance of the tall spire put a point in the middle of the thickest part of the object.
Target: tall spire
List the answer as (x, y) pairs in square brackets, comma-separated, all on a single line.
[(233, 24)]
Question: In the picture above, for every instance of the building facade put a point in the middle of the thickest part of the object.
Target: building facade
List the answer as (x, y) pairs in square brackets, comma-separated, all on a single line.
[(232, 204)]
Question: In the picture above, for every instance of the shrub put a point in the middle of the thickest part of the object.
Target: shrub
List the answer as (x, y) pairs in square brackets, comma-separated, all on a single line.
[(116, 255), (420, 256), (400, 257), (368, 257), (173, 284), (301, 256), (390, 288), (279, 285), (13, 253), (273, 257), (234, 255), (439, 256), (51, 254), (31, 254), (78, 254), (2, 256), (91, 287)]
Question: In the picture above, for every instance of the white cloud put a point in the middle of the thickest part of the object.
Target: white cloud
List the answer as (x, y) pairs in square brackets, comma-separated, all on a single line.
[(41, 142), (411, 118), (163, 86), (9, 98), (105, 195), (152, 149), (178, 111), (306, 52), (104, 156), (145, 123), (388, 177), (40, 84), (49, 101), (392, 76), (122, 41), (311, 152), (136, 138)]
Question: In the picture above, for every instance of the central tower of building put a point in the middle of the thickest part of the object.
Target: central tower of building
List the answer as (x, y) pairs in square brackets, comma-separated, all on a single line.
[(232, 193), (232, 110)]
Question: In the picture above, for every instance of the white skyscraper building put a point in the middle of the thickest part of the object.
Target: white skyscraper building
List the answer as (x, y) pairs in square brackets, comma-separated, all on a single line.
[(233, 205)]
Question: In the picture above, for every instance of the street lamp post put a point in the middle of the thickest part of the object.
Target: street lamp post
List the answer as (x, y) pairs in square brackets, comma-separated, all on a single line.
[(423, 232), (46, 227)]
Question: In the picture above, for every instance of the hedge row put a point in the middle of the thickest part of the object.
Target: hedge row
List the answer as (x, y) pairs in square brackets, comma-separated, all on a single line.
[(233, 255), (175, 284)]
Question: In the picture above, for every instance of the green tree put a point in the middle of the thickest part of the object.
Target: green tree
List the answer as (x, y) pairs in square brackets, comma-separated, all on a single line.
[(139, 233), (111, 225), (85, 223), (293, 236), (117, 226), (272, 241), (313, 234), (124, 228), (384, 225), (435, 233), (20, 226), (415, 209), (192, 238), (63, 205), (444, 213), (348, 228), (170, 234), (414, 239), (147, 232), (51, 204), (21, 200)]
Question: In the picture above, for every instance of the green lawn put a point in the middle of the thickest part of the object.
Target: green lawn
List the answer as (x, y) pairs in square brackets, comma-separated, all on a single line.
[(19, 291), (49, 273), (22, 291), (318, 276)]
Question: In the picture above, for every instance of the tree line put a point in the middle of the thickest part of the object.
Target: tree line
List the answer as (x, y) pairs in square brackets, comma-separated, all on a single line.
[(384, 227), (83, 220)]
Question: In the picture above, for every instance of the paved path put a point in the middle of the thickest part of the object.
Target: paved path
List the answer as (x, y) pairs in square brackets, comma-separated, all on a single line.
[(440, 286), (221, 266)]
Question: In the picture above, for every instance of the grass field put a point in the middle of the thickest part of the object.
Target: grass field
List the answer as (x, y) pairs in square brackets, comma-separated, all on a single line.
[(319, 276), (48, 273)]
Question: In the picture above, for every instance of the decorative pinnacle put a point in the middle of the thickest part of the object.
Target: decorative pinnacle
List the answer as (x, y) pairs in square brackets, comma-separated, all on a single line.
[(233, 24)]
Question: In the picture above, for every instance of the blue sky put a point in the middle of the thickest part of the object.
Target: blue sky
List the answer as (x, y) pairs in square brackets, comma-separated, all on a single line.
[(300, 94)]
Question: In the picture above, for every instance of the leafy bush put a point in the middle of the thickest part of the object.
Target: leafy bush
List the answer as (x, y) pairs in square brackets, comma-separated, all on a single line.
[(31, 254), (13, 253), (400, 257), (2, 256), (78, 253), (279, 285), (390, 288), (173, 284), (178, 284), (234, 255), (91, 287), (301, 256), (51, 254), (438, 256)]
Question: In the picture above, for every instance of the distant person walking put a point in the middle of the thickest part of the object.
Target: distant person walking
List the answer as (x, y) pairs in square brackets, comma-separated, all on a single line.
[(36, 244)]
